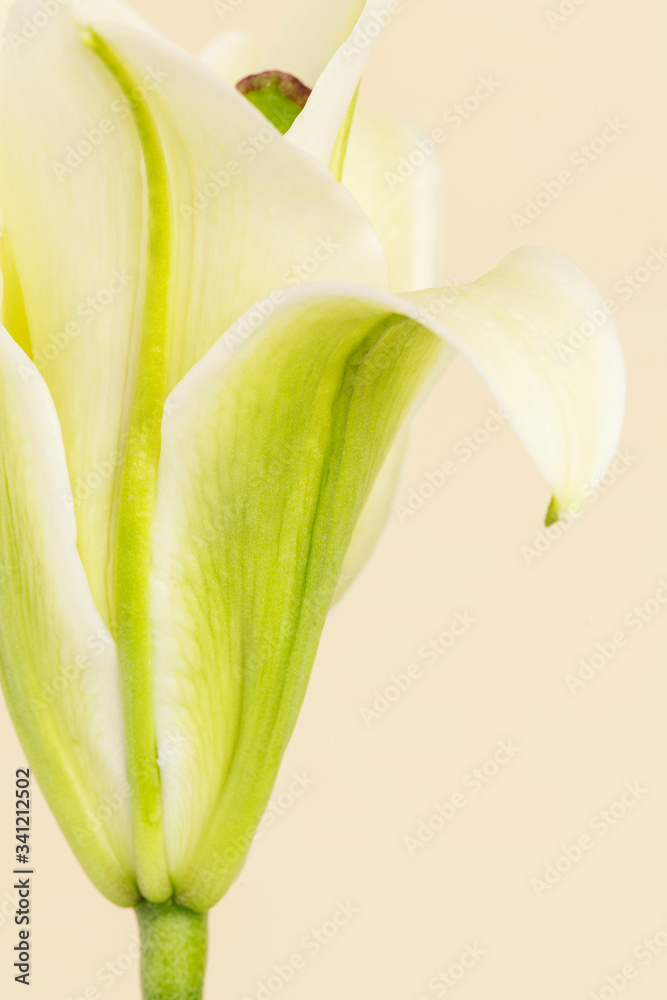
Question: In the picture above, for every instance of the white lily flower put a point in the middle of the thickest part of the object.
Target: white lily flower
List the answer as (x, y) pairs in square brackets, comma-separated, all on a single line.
[(207, 378)]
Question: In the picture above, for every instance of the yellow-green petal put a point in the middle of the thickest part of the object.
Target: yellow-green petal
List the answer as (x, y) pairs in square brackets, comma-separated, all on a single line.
[(279, 450), (270, 450), (58, 662)]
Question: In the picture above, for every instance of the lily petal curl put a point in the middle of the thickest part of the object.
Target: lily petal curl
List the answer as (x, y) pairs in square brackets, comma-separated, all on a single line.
[(207, 381)]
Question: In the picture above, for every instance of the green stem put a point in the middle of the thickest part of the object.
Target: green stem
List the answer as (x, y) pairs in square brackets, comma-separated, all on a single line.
[(173, 951)]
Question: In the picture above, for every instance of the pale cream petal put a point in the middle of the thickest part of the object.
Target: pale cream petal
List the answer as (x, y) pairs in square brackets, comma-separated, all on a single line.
[(316, 129), (310, 36), (406, 210), (72, 200), (234, 55), (252, 214), (538, 330)]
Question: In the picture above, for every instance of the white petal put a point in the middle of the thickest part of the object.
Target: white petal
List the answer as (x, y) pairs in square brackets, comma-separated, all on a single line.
[(77, 255), (406, 212), (538, 331), (110, 10), (310, 36), (234, 55), (253, 215), (317, 127)]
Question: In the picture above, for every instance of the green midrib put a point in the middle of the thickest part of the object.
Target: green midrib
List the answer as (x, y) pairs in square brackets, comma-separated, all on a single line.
[(337, 162), (137, 496)]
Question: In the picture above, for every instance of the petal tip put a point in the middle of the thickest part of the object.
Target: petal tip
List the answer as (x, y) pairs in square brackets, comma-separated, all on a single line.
[(553, 512)]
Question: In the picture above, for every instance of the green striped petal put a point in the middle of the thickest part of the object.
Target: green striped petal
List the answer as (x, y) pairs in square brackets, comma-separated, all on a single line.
[(274, 220), (58, 662), (279, 450), (270, 448)]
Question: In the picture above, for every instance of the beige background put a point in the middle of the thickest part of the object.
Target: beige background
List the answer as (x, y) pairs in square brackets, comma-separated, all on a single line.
[(343, 840)]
